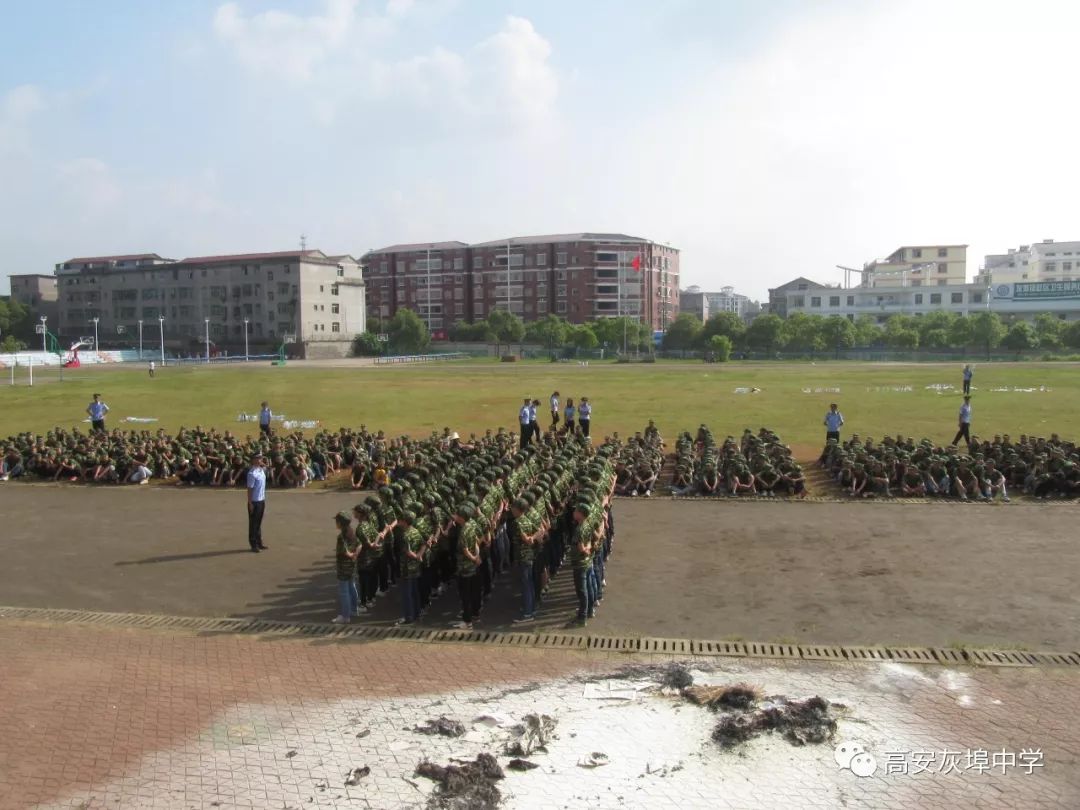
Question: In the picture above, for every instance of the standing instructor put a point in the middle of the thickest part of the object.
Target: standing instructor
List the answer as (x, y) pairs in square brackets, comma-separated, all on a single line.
[(964, 424), (256, 502), (834, 420)]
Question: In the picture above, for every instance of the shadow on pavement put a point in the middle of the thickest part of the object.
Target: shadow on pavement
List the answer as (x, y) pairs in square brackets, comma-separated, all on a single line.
[(179, 557)]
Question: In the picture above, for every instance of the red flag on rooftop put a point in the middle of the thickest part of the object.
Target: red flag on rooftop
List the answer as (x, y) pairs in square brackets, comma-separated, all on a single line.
[(636, 264)]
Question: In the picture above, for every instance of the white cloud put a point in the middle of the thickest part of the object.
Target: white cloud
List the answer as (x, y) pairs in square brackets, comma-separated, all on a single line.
[(17, 109), (515, 64), (286, 45)]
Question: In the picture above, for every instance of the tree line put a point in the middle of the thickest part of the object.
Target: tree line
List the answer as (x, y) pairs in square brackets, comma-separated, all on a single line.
[(820, 334), (16, 325), (407, 333)]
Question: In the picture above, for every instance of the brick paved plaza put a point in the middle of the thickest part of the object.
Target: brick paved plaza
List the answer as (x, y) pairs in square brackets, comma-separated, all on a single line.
[(106, 717)]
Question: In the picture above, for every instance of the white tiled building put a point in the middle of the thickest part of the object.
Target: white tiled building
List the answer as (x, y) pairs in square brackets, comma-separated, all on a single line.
[(318, 298)]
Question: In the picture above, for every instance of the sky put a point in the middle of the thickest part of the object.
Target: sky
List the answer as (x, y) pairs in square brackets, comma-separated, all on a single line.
[(765, 140)]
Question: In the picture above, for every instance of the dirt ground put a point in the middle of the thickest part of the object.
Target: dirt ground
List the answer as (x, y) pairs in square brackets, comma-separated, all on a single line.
[(859, 573)]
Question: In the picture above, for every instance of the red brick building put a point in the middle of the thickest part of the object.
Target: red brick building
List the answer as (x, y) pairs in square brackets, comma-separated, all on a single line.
[(576, 276)]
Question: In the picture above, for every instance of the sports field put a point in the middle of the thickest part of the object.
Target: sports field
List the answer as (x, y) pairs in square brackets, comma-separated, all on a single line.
[(470, 396)]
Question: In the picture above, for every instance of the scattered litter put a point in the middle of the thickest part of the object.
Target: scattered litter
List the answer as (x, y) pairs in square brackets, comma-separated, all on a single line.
[(493, 721), (142, 420), (254, 417), (676, 676), (821, 390), (400, 745), (941, 387), (594, 760), (470, 786), (798, 721), (305, 424), (352, 779), (444, 727), (900, 389), (1017, 390), (360, 735), (518, 764), (753, 390), (535, 732), (741, 696), (290, 754)]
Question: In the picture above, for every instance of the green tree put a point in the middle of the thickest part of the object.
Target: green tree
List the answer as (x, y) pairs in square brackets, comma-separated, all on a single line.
[(765, 332), (614, 332), (408, 334), (1070, 335), (1020, 337), (470, 332), (838, 332), (931, 321), (12, 344), (934, 338), (549, 331), (366, 345), (867, 332), (720, 348), (802, 332), (724, 323), (1048, 330), (960, 333), (902, 332), (505, 327), (987, 330), (683, 333), (581, 336)]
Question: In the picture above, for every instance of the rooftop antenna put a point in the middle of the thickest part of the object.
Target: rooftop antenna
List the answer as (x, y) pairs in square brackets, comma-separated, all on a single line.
[(303, 243)]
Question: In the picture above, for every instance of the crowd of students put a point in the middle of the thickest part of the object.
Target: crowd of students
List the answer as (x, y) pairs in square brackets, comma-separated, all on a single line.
[(755, 464), (467, 513), (1040, 467)]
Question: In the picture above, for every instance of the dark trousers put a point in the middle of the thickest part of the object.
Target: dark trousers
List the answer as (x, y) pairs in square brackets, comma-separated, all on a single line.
[(255, 518), (967, 386), (469, 591), (832, 434), (369, 583), (264, 430), (584, 592), (97, 425), (526, 431), (584, 423), (963, 433)]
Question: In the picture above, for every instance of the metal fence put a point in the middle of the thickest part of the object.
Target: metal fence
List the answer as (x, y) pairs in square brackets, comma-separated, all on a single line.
[(399, 359)]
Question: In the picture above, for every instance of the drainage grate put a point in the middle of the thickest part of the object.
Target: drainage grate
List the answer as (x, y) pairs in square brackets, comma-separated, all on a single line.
[(561, 641)]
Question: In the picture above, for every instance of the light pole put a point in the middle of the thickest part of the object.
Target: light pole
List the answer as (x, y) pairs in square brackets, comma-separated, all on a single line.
[(96, 347), (44, 332), (140, 340), (246, 322), (207, 322), (161, 326)]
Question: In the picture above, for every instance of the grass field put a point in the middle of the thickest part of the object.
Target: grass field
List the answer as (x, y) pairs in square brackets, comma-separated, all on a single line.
[(472, 396)]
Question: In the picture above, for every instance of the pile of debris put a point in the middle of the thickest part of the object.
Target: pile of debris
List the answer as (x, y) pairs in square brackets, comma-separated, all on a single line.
[(745, 714), (469, 785)]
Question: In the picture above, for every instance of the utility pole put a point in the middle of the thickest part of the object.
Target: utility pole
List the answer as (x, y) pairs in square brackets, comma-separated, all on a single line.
[(246, 354), (508, 275), (140, 339), (161, 326), (207, 322), (428, 318)]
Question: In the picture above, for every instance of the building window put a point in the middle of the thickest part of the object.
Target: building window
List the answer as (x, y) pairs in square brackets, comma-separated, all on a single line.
[(334, 289), (459, 263), (560, 290), (560, 258), (916, 253), (335, 327), (478, 291), (459, 309), (942, 282), (560, 306), (1051, 267), (815, 301), (798, 301), (957, 298), (1066, 265), (478, 309), (607, 256), (942, 253), (335, 308), (918, 298), (541, 259), (478, 262), (976, 298), (851, 300), (935, 298)]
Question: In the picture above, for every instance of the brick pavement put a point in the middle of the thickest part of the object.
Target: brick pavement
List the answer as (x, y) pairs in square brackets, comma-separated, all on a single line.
[(107, 717)]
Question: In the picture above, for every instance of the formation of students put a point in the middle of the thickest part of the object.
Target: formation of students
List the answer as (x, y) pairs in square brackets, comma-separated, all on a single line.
[(468, 513), (756, 464), (639, 462), (1036, 466)]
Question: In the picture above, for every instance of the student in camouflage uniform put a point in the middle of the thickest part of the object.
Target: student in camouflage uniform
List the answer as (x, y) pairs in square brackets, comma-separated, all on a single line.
[(370, 555), (346, 554), (468, 561), (412, 556)]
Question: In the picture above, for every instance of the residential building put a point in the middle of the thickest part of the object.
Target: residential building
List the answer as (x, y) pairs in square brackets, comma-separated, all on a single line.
[(1045, 261), (694, 302), (36, 291), (1021, 300), (318, 298), (918, 266), (578, 276)]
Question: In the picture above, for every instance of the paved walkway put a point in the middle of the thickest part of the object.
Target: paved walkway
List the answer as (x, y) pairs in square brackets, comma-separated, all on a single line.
[(103, 717)]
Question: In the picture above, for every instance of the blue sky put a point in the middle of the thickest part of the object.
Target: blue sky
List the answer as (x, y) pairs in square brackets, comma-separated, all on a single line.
[(766, 140)]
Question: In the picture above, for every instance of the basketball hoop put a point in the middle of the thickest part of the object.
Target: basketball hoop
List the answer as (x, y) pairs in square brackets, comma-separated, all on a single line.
[(120, 329), (288, 337), (383, 337), (39, 329)]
